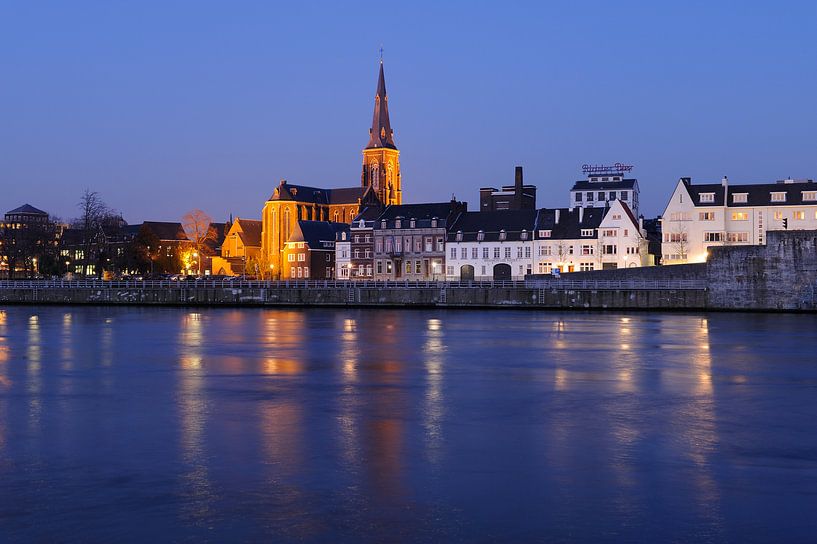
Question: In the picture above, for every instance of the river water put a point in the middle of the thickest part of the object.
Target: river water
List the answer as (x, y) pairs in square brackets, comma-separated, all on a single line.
[(334, 425)]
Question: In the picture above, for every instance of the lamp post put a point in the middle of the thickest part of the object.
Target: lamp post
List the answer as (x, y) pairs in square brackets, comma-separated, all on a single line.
[(34, 264)]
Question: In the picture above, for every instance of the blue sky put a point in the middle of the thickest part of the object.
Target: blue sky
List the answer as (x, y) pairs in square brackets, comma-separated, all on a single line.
[(167, 106)]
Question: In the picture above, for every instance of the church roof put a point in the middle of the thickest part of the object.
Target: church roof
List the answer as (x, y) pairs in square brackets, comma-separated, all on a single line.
[(381, 134), (316, 195)]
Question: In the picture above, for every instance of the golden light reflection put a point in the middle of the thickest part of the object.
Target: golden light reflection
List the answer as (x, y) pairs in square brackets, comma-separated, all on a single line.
[(193, 418), (560, 380), (349, 351), (283, 366)]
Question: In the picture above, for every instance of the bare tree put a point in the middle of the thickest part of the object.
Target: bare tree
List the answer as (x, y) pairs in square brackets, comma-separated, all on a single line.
[(199, 229), (93, 212), (679, 237)]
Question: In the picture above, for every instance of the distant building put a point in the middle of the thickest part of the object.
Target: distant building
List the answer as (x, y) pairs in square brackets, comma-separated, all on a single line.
[(603, 186), (165, 243), (241, 244), (100, 250), (714, 214), (310, 251), (28, 240), (509, 197), (409, 240)]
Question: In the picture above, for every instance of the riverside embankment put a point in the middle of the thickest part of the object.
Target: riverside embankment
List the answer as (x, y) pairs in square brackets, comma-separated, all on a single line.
[(780, 276), (680, 294)]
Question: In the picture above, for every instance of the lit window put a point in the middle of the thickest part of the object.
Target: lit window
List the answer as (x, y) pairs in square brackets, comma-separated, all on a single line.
[(740, 216), (706, 216), (799, 215), (778, 215)]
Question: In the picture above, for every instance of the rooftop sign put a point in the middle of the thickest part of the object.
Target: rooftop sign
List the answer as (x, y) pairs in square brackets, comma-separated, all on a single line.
[(617, 168)]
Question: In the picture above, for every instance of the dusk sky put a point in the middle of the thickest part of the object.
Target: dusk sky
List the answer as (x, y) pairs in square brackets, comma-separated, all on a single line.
[(167, 106)]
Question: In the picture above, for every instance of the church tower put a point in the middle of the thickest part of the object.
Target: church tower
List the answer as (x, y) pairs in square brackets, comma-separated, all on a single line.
[(381, 159)]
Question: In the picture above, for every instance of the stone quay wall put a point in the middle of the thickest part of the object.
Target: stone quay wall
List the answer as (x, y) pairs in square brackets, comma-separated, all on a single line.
[(780, 276), (586, 296)]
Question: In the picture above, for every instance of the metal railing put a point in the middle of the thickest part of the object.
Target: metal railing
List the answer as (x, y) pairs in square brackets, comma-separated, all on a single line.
[(552, 284)]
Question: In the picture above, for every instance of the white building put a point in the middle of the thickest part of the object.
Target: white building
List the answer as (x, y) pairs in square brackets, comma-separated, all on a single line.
[(582, 239), (603, 186), (491, 246), (343, 252), (700, 216), (509, 245)]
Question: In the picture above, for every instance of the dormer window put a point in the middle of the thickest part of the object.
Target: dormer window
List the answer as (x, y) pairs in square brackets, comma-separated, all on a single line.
[(809, 195), (480, 236), (523, 235), (707, 197), (361, 224), (778, 197), (434, 222), (397, 223), (502, 234), (343, 236), (545, 233), (587, 232), (383, 224), (739, 198), (459, 236)]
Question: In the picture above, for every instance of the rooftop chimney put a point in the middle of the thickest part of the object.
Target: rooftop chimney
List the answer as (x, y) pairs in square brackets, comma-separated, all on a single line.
[(556, 216), (518, 180), (725, 181), (581, 214)]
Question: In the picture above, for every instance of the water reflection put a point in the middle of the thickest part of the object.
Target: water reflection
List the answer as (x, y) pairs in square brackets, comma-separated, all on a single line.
[(302, 425), (193, 417), (433, 352)]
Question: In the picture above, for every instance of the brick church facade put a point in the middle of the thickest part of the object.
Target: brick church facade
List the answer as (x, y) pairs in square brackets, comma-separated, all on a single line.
[(380, 185)]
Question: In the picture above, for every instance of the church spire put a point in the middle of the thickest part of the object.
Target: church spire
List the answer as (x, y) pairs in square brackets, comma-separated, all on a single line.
[(381, 134)]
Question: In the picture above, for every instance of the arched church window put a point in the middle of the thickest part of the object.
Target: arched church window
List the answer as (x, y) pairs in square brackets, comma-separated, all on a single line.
[(374, 174)]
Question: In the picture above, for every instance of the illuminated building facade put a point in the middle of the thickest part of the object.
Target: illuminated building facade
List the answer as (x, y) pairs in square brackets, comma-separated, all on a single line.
[(241, 244), (701, 216), (380, 184)]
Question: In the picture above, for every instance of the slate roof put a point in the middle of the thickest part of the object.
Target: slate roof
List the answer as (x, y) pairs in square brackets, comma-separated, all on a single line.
[(756, 194), (569, 227), (381, 134), (316, 195), (585, 185), (166, 231), (314, 233), (27, 209), (513, 222), (416, 211)]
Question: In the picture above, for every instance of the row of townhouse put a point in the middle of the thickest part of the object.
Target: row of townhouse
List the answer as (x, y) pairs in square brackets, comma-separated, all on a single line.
[(510, 245), (701, 216)]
